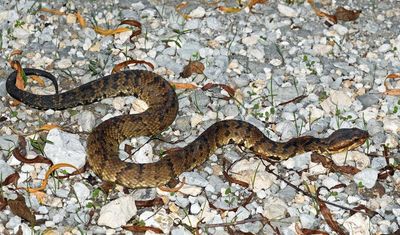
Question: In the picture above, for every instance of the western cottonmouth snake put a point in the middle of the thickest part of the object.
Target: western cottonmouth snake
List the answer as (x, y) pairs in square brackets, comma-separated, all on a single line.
[(104, 140)]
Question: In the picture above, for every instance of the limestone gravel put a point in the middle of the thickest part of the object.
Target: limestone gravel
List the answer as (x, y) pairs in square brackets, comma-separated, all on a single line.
[(271, 56)]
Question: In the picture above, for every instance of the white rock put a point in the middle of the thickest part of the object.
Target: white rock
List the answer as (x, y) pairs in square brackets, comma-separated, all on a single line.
[(337, 99), (274, 209), (287, 11), (322, 49), (145, 154), (258, 54), (5, 170), (180, 230), (161, 220), (276, 62), (193, 178), (117, 212), (65, 147), (87, 44), (384, 48), (250, 40), (330, 182), (246, 169), (190, 190), (340, 29), (15, 221), (367, 177), (357, 224), (118, 103), (298, 162), (81, 191), (199, 12), (195, 208), (242, 213), (64, 63), (86, 120), (343, 158), (20, 33), (391, 124)]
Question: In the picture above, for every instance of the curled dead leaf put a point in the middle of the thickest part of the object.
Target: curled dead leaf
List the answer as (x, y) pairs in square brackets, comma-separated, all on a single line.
[(108, 32), (347, 15), (252, 3), (142, 229), (150, 203), (52, 11), (48, 127), (11, 179), (117, 68), (19, 207), (192, 67), (81, 20), (136, 24), (179, 85), (229, 9), (326, 213)]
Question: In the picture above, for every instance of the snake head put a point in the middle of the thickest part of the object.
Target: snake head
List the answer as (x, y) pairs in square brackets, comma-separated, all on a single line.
[(346, 139)]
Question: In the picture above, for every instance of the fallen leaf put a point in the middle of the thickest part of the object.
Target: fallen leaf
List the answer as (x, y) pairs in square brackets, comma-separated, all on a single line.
[(48, 127), (18, 207), (46, 178), (117, 68), (21, 78), (15, 52), (347, 15), (179, 85), (393, 75), (369, 212), (52, 11), (320, 13), (3, 202), (326, 213), (141, 229), (229, 9), (81, 20), (252, 3), (38, 79), (227, 88), (22, 157), (40, 196), (172, 190), (192, 67), (135, 23), (11, 179), (236, 181), (107, 32)]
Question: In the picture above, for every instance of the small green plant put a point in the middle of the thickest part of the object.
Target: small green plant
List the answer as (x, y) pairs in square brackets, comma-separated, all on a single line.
[(231, 197), (340, 118), (177, 38), (310, 65), (360, 185), (39, 144), (19, 23)]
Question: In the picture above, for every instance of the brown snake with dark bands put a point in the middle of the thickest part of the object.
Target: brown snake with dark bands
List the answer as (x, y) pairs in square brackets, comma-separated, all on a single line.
[(104, 140)]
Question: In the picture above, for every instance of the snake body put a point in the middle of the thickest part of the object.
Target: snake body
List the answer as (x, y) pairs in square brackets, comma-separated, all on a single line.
[(104, 140)]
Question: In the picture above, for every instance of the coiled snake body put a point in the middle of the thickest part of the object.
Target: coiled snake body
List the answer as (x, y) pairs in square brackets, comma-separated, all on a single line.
[(104, 140)]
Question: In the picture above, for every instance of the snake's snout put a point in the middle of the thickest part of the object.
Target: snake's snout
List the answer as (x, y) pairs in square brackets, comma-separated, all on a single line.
[(346, 139)]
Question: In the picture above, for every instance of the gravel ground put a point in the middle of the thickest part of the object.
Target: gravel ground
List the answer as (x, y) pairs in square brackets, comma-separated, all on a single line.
[(293, 73)]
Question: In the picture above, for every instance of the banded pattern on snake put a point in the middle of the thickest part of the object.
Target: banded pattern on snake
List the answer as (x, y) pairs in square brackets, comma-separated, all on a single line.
[(104, 140)]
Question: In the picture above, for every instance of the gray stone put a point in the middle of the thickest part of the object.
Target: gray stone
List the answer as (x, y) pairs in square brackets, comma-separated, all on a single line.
[(368, 100)]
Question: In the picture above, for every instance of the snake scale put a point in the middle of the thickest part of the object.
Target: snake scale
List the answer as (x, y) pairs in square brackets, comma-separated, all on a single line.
[(103, 142)]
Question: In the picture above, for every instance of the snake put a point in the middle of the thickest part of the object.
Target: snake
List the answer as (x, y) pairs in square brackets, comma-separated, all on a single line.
[(103, 141)]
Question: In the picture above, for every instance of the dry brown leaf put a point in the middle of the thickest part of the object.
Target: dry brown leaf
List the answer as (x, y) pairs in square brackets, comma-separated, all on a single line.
[(321, 13), (347, 15), (19, 207), (252, 3), (19, 83), (236, 181), (47, 127), (393, 75), (141, 229), (135, 23), (117, 68), (46, 178), (52, 11), (81, 20), (179, 9), (3, 202), (22, 158), (15, 52), (306, 231), (326, 213), (38, 79), (108, 32), (172, 190), (229, 9), (40, 196), (192, 67), (11, 179), (227, 88), (179, 85)]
